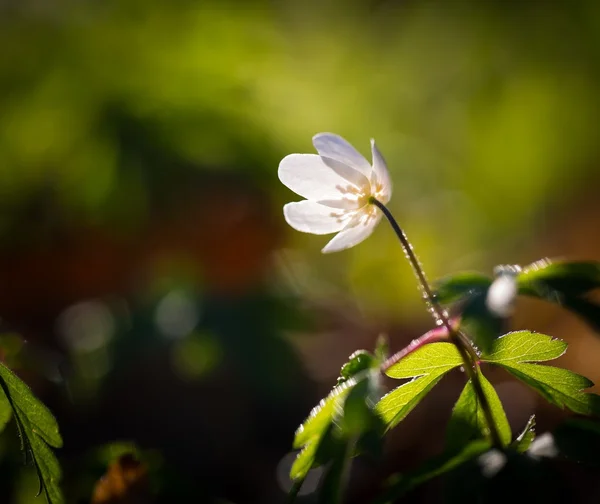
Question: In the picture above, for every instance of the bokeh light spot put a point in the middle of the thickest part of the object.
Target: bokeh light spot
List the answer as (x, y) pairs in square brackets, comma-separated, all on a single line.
[(196, 356)]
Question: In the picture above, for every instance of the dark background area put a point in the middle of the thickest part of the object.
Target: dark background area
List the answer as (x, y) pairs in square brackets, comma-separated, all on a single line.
[(150, 290)]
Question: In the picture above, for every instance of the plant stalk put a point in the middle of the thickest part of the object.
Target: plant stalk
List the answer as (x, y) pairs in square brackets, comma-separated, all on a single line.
[(462, 343)]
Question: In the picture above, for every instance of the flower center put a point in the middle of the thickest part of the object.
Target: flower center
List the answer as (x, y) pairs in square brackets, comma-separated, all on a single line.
[(378, 192)]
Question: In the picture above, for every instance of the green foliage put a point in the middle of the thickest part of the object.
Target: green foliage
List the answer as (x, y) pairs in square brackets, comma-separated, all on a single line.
[(565, 283), (576, 277), (524, 440), (432, 359), (525, 346), (468, 421), (558, 386), (470, 290), (456, 287), (360, 360), (342, 425), (468, 432), (312, 432), (5, 411), (38, 430), (351, 420), (427, 365)]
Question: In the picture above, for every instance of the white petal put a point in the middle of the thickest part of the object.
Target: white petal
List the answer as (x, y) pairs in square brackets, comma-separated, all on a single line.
[(381, 174), (501, 295), (310, 217), (335, 147), (309, 176), (352, 234), (350, 174), (348, 203)]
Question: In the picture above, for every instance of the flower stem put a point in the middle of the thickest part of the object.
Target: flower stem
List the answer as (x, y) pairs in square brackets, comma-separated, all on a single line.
[(462, 343)]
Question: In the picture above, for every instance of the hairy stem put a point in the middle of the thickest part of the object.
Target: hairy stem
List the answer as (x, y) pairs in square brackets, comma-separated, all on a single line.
[(462, 343)]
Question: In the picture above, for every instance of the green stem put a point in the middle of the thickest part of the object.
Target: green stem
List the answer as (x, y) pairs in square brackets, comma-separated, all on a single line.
[(293, 493), (462, 343)]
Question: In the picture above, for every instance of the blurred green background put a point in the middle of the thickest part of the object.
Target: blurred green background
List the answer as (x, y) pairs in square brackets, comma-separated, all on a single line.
[(150, 290)]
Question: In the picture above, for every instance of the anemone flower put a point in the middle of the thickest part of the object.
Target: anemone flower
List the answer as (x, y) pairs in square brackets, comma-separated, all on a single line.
[(339, 185)]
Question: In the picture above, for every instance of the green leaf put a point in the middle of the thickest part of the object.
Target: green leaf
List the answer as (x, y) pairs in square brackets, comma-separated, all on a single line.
[(311, 434), (433, 358), (428, 363), (566, 284), (5, 411), (398, 403), (347, 413), (399, 485), (38, 430), (371, 441), (524, 440), (525, 346), (357, 429), (305, 460), (575, 277), (358, 409), (455, 287), (360, 361), (468, 421), (321, 415), (558, 386)]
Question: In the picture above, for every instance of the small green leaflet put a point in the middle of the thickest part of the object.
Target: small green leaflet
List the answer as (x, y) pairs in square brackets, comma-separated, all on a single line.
[(426, 365), (524, 440), (342, 425), (514, 352), (468, 421), (38, 430), (574, 277), (525, 346), (565, 283), (310, 434), (360, 360), (316, 428)]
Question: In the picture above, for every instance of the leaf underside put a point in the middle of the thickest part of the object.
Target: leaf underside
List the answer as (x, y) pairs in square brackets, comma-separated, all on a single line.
[(38, 430)]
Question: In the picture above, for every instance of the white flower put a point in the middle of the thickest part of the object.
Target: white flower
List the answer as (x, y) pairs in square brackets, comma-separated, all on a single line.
[(338, 185)]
